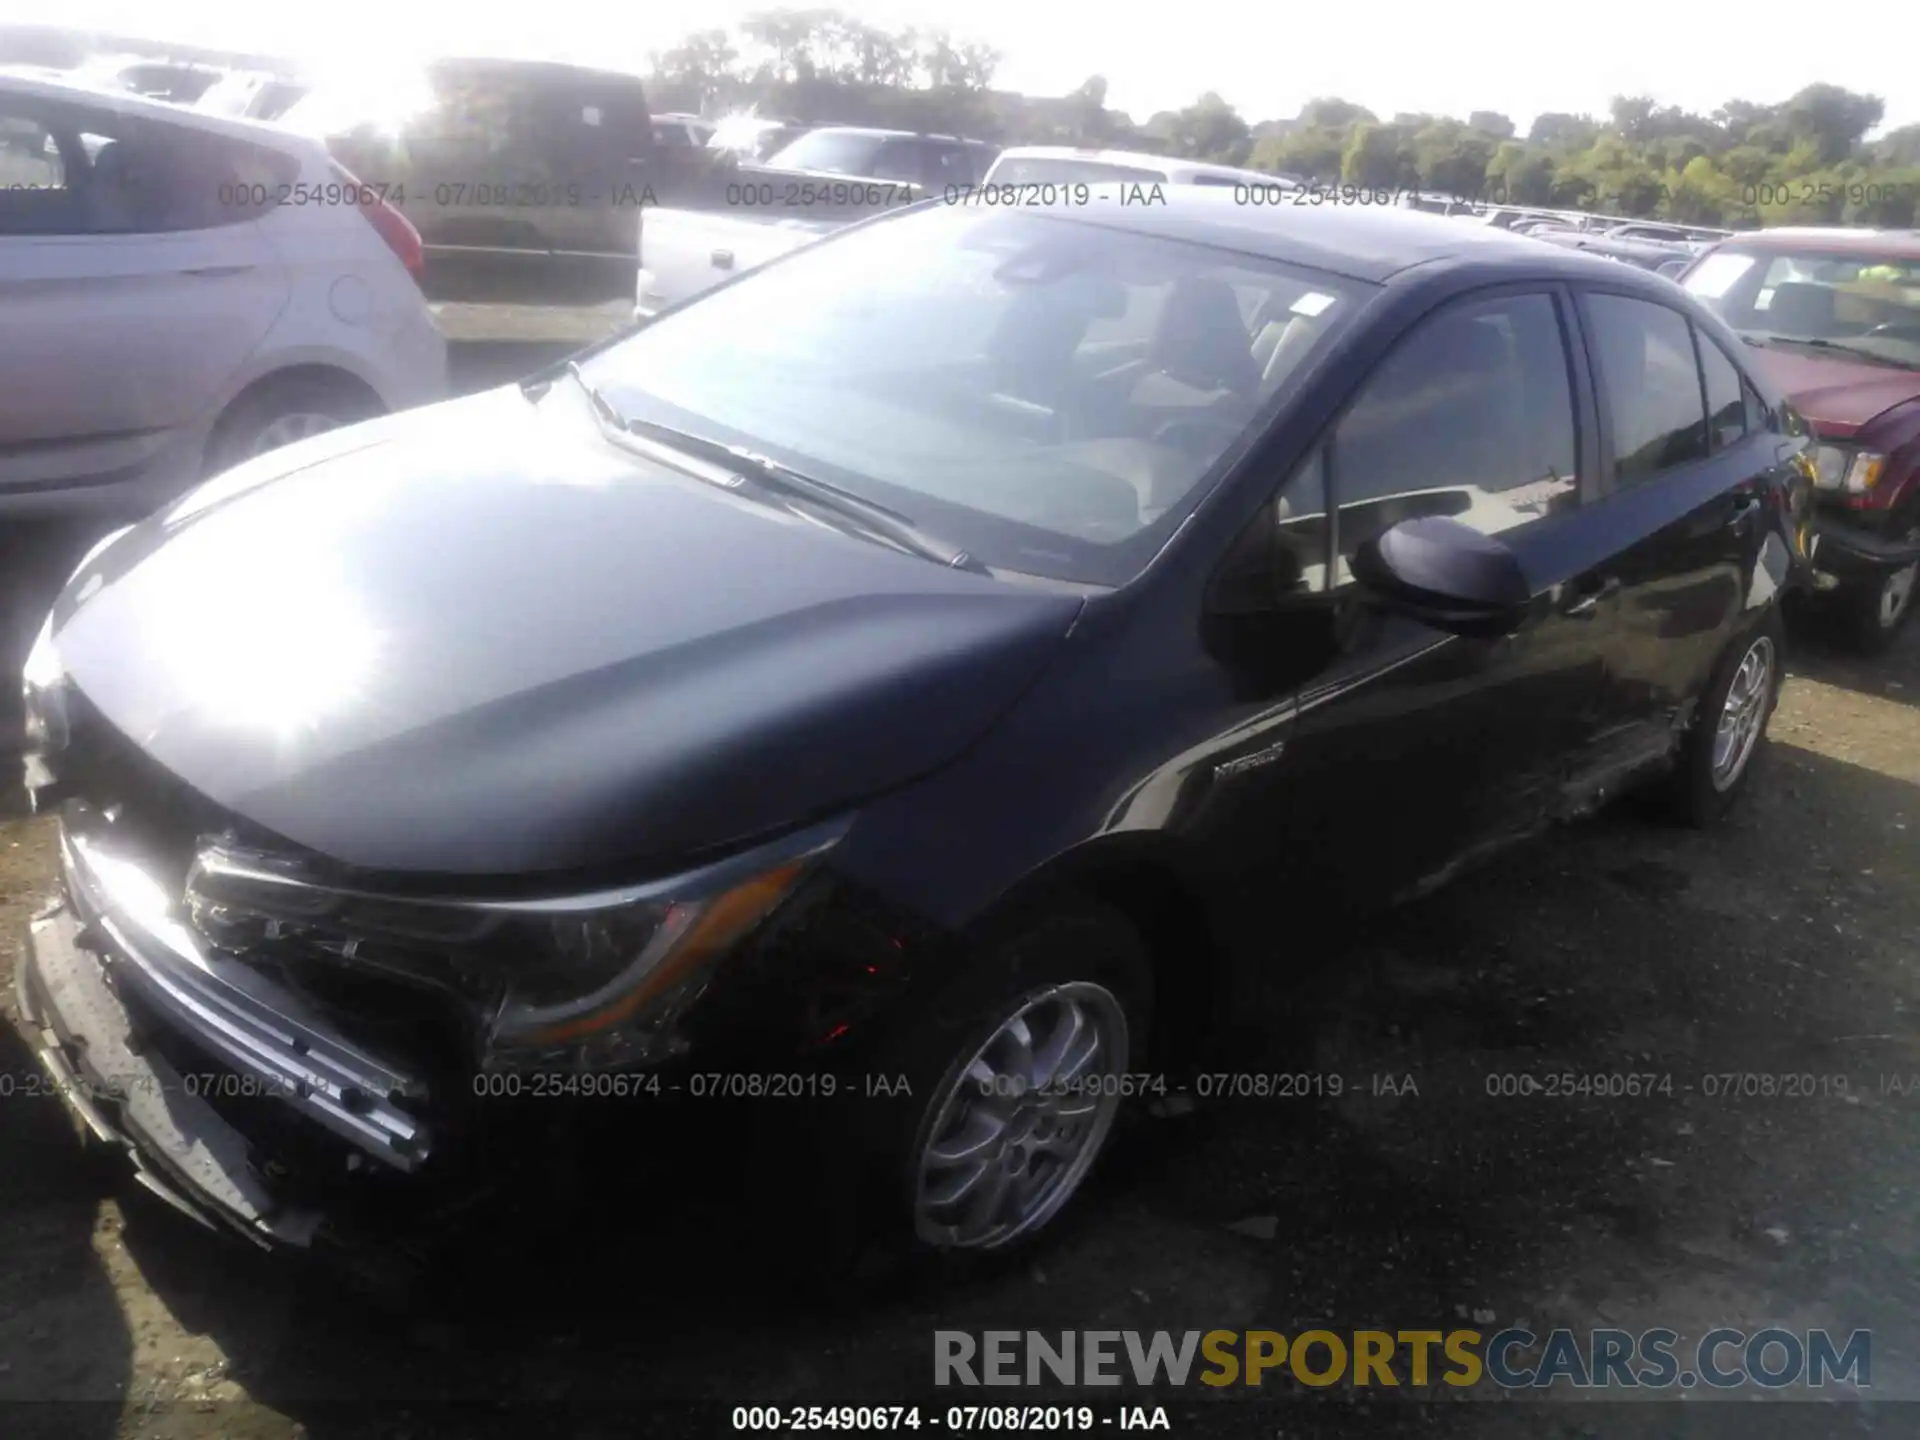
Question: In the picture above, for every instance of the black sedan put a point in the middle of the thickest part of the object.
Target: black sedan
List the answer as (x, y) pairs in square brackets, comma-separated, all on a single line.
[(910, 673)]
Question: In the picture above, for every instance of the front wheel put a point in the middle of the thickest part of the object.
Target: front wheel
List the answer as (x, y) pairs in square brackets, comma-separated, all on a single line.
[(1020, 1071), (1729, 727), (1874, 614)]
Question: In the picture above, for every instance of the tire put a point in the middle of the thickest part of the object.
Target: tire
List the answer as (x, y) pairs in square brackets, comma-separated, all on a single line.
[(1706, 782), (1873, 616), (1075, 958), (280, 412)]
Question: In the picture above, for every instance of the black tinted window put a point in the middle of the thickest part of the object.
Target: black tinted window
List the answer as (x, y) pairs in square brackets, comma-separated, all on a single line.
[(835, 151), (1652, 386), (1471, 416), (143, 180), (34, 196), (1726, 405)]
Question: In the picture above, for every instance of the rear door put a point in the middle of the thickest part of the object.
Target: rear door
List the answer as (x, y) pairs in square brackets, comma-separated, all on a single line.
[(1413, 750), (1687, 470), (131, 288)]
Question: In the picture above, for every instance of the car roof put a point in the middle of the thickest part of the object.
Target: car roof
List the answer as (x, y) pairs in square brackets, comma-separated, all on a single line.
[(61, 91), (1362, 242), (1904, 243)]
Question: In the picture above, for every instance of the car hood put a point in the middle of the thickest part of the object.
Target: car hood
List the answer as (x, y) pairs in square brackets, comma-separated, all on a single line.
[(1840, 397), (479, 639)]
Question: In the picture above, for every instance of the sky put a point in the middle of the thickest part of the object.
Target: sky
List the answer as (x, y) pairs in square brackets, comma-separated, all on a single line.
[(1266, 60)]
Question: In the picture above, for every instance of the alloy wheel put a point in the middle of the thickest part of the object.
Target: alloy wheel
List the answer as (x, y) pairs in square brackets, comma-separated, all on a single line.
[(287, 428), (1017, 1127), (1743, 713)]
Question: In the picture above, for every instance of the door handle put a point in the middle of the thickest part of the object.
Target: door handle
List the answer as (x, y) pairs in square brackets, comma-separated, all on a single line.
[(1591, 596), (214, 272), (723, 259)]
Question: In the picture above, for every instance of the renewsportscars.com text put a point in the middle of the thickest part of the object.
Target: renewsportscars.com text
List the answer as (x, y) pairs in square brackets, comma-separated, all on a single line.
[(1514, 1358)]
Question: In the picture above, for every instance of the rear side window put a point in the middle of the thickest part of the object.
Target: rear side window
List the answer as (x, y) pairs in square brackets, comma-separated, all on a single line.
[(145, 180), (1471, 417), (1652, 386)]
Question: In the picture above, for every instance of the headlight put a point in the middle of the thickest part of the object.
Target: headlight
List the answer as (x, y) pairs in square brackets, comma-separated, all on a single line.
[(1840, 467), (584, 981), (608, 986)]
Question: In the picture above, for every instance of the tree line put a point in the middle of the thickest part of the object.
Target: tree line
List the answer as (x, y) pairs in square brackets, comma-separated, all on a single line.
[(1805, 161)]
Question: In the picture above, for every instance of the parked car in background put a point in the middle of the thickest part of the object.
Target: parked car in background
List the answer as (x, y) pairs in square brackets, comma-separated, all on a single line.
[(1834, 318), (1670, 234), (683, 131), (1642, 254), (169, 309), (741, 215), (176, 82), (251, 95), (755, 137), (1021, 165), (931, 162), (939, 655), (524, 178)]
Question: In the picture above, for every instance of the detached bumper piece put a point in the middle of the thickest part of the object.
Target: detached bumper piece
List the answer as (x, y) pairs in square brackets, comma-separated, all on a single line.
[(1850, 552), (180, 1147)]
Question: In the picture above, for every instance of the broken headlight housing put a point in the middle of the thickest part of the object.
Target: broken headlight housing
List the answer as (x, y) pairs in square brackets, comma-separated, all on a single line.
[(584, 982)]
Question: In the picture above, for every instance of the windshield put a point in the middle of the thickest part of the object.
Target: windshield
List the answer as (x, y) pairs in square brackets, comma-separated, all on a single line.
[(1047, 394), (1062, 170), (1866, 304), (837, 152)]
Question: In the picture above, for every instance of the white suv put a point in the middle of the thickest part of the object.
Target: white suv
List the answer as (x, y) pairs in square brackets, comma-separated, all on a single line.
[(179, 291)]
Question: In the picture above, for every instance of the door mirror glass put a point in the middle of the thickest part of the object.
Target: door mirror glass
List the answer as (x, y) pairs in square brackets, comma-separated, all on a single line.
[(1445, 574)]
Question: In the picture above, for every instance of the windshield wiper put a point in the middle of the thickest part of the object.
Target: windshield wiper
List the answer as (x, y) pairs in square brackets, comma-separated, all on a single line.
[(889, 525), (1872, 356)]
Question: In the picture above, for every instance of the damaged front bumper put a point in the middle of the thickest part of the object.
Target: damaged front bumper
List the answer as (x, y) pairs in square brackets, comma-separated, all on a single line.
[(106, 968), (1844, 552)]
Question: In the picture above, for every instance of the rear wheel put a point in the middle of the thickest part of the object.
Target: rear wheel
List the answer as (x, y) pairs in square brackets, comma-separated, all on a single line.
[(281, 412), (1729, 727)]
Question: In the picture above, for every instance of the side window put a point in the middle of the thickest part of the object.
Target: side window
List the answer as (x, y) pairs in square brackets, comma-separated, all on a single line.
[(1471, 416), (34, 198), (898, 160), (1726, 402), (1652, 386), (669, 132), (146, 180)]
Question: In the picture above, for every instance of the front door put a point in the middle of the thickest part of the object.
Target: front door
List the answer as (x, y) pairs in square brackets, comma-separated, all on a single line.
[(1413, 750)]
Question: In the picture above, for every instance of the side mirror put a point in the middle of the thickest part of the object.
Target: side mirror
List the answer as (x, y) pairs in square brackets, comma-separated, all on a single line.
[(1446, 575)]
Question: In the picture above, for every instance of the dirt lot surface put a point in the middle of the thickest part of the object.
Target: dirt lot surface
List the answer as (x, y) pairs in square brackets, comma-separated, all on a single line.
[(1785, 943)]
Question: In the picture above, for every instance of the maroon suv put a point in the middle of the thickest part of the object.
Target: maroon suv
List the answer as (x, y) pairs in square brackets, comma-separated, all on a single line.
[(1835, 315)]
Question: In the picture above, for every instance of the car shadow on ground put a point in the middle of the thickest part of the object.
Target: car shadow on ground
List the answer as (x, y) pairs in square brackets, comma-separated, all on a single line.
[(64, 1366), (1422, 1195), (1818, 652)]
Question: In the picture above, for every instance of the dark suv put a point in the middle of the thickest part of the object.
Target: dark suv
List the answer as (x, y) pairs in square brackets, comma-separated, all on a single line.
[(904, 685), (1834, 318), (524, 178)]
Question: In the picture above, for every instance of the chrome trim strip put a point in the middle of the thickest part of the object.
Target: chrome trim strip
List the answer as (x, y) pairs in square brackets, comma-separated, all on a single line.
[(251, 1024)]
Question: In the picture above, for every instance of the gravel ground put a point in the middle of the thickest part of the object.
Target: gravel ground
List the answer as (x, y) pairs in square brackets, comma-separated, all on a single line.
[(1784, 943)]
